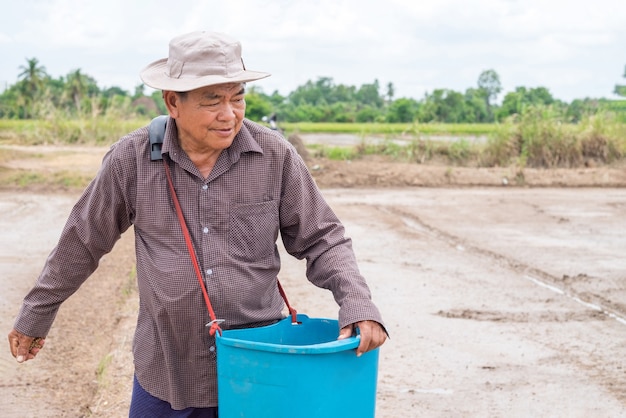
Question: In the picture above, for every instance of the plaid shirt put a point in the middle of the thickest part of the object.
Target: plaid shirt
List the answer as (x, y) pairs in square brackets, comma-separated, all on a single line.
[(258, 189)]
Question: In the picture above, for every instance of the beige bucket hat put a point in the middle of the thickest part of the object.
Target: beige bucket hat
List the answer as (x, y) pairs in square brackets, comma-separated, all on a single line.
[(199, 59)]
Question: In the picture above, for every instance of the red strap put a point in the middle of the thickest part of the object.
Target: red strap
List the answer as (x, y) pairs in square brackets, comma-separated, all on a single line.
[(192, 253), (292, 311), (215, 327)]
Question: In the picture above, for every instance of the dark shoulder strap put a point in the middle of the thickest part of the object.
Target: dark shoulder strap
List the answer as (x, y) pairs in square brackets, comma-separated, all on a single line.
[(157, 132)]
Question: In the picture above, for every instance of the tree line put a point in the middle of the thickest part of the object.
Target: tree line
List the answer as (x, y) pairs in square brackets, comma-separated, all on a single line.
[(38, 95)]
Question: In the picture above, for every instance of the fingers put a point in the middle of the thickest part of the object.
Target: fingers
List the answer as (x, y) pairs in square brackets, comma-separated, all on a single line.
[(346, 332), (373, 336), (23, 347), (13, 342)]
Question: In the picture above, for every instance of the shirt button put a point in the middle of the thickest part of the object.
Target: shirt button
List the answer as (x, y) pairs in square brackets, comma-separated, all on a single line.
[(209, 272), (205, 186), (212, 348), (205, 230)]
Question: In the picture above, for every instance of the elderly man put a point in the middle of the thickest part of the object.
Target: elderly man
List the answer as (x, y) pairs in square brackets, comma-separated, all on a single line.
[(239, 186)]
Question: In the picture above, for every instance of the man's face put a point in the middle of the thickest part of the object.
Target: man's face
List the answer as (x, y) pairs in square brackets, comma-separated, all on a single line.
[(208, 118)]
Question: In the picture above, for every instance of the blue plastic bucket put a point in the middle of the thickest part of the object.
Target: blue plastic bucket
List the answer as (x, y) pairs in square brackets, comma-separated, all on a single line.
[(295, 371)]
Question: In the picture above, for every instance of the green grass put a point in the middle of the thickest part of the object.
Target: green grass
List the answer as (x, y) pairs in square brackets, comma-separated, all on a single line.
[(104, 131), (536, 138), (97, 131), (411, 129), (340, 153), (131, 284), (102, 368), (461, 152), (57, 180)]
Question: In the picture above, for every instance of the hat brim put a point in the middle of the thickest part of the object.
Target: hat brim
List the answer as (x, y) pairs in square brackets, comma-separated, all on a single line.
[(155, 76)]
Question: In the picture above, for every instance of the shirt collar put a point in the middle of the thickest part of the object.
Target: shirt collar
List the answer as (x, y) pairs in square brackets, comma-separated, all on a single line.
[(243, 142)]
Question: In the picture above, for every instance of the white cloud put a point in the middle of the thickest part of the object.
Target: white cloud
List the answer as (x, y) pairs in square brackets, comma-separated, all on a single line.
[(574, 48)]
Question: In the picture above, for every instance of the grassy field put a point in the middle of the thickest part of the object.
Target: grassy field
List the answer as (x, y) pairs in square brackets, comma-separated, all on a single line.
[(105, 131), (409, 129), (534, 139), (96, 131)]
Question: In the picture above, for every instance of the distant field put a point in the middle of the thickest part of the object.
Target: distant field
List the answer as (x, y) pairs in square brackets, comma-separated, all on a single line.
[(98, 131), (106, 131), (411, 129), (535, 140)]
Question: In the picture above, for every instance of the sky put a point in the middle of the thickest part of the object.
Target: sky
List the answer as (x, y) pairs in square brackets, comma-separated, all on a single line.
[(576, 49)]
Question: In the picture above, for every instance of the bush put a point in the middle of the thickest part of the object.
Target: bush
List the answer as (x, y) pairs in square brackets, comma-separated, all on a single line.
[(539, 137)]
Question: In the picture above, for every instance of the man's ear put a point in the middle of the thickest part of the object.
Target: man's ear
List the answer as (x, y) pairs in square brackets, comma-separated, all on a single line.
[(172, 102)]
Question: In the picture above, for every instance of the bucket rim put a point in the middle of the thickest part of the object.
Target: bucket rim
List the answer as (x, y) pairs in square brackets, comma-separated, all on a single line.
[(318, 348)]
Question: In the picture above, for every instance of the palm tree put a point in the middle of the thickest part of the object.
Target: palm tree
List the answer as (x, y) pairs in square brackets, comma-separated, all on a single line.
[(76, 87), (32, 76), (619, 89), (391, 91), (489, 84)]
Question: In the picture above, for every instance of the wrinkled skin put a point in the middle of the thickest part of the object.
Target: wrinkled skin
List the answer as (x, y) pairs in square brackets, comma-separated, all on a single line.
[(373, 335), (23, 347)]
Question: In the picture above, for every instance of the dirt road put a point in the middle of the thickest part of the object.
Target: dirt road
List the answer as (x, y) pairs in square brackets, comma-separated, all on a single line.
[(500, 302)]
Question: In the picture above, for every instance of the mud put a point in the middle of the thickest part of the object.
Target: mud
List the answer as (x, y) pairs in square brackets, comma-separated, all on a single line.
[(500, 301)]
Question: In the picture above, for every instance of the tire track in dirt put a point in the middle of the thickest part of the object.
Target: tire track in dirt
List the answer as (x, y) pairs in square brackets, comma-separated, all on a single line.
[(474, 350), (580, 352), (598, 303)]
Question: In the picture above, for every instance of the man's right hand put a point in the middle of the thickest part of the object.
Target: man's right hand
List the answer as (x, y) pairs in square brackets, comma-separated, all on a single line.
[(24, 347)]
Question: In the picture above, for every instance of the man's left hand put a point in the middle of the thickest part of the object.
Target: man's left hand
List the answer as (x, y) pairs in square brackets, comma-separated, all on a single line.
[(373, 335)]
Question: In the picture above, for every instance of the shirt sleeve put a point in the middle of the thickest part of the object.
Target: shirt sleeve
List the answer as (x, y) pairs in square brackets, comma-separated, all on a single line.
[(310, 229), (94, 225)]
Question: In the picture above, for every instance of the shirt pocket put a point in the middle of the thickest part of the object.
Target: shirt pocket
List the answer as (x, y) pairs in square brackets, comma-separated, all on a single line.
[(253, 230)]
